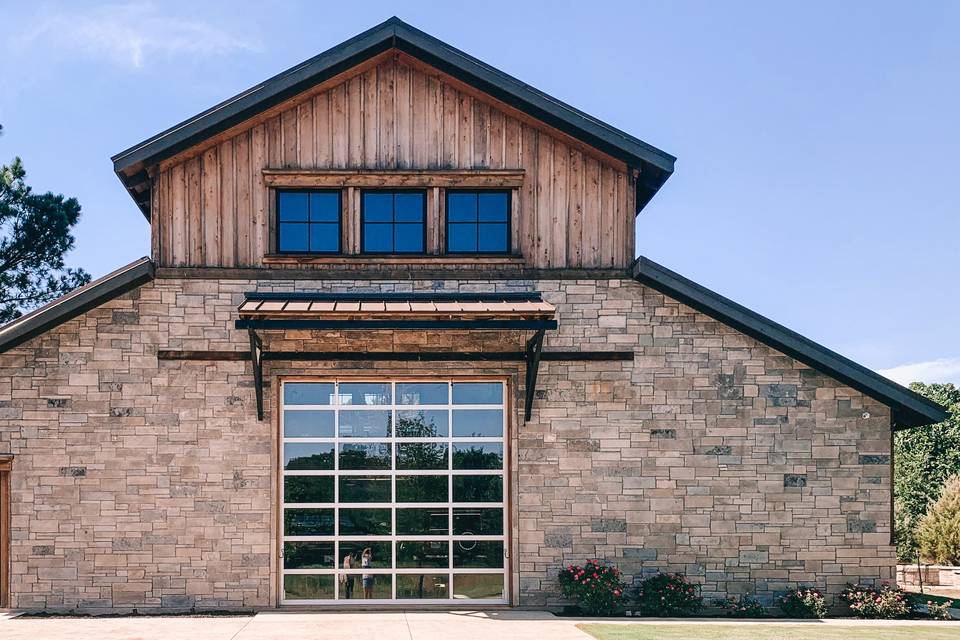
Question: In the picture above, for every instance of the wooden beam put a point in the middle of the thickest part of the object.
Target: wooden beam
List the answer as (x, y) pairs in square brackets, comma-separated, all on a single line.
[(341, 178), (400, 356)]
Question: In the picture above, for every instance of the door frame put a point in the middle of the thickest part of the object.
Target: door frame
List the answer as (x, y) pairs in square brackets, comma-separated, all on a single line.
[(511, 573), (6, 462)]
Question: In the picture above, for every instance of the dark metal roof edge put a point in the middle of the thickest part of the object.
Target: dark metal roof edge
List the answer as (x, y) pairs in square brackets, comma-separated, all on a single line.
[(75, 303), (909, 408), (658, 165), (529, 296)]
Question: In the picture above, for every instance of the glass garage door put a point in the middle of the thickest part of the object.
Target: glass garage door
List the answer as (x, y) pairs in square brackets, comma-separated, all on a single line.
[(393, 491)]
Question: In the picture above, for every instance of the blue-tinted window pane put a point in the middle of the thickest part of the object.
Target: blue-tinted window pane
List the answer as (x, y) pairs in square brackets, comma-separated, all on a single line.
[(422, 392), (477, 423), (293, 236), (325, 237), (462, 237), (365, 424), (492, 237), (292, 206), (422, 424), (408, 207), (378, 207), (324, 207), (493, 207), (308, 393), (309, 456), (308, 424), (378, 237), (477, 393), (408, 238), (367, 393), (462, 207)]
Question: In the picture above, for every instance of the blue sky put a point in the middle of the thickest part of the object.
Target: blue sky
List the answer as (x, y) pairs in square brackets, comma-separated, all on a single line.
[(817, 142)]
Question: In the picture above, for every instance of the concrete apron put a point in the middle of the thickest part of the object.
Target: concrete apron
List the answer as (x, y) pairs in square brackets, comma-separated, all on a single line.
[(398, 625)]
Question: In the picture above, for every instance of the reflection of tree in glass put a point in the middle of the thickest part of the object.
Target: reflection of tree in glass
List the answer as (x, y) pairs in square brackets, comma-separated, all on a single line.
[(422, 455), (365, 457), (411, 425), (308, 522), (315, 461), (307, 555), (476, 457), (307, 489)]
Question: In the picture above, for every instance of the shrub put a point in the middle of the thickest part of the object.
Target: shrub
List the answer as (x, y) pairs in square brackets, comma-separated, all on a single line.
[(939, 610), (745, 607), (805, 602), (596, 587), (876, 602), (668, 594), (938, 533)]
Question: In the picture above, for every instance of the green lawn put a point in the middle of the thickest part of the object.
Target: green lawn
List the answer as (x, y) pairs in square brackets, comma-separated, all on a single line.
[(694, 631)]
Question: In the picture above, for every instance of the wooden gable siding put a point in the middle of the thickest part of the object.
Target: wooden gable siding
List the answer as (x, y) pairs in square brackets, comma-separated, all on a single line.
[(575, 208)]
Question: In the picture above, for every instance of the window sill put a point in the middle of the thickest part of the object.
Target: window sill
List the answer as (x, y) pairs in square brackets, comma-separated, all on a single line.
[(300, 259)]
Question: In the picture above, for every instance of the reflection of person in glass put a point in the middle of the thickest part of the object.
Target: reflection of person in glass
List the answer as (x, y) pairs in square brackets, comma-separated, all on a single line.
[(366, 561), (345, 578)]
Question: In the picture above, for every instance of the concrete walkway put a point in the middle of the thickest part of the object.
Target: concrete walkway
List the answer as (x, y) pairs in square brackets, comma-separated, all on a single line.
[(505, 625)]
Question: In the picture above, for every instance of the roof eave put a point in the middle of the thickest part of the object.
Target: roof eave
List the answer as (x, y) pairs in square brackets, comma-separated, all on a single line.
[(909, 409), (654, 164), (76, 302)]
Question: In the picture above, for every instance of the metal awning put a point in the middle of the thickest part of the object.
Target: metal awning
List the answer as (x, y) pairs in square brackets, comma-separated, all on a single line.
[(514, 311)]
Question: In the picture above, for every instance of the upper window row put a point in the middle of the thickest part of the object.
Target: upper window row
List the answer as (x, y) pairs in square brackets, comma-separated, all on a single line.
[(393, 222)]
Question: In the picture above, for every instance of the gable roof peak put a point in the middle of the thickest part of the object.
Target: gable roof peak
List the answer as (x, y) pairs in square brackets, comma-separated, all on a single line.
[(655, 165)]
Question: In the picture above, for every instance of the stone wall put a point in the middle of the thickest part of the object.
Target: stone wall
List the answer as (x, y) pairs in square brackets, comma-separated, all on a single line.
[(140, 483)]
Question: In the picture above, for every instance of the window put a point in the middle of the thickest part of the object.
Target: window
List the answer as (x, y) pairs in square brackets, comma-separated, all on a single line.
[(478, 222), (393, 221), (308, 221), (393, 491)]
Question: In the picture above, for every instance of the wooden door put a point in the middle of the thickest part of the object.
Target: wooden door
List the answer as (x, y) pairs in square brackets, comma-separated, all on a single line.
[(5, 462)]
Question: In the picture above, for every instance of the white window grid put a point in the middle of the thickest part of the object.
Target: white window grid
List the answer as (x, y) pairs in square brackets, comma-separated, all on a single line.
[(450, 571)]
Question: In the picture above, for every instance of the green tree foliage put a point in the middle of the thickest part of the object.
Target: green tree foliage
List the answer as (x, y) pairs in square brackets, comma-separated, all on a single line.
[(938, 533), (924, 458), (34, 236)]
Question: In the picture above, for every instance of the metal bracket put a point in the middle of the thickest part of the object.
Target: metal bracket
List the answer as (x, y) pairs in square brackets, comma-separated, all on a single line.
[(532, 356), (256, 356)]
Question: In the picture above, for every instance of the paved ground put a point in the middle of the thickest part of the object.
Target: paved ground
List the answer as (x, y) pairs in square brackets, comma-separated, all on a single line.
[(506, 625)]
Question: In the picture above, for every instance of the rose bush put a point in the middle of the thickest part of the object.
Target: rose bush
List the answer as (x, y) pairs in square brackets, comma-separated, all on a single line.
[(804, 602), (596, 587), (745, 607), (884, 601), (668, 594)]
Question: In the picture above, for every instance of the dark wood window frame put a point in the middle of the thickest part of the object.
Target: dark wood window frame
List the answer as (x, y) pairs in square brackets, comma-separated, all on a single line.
[(423, 223), (446, 223), (276, 220)]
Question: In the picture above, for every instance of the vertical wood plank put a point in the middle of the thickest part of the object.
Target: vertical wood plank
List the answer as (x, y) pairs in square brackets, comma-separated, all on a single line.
[(264, 151), (496, 148), (355, 117), (560, 210), (194, 212), (355, 220), (451, 123), (156, 220), (210, 178), (575, 211), (228, 208), (371, 125), (607, 221), (631, 218), (464, 131), (243, 175), (591, 213), (322, 144), (530, 155), (481, 132), (421, 110), (288, 140), (511, 158), (403, 116), (545, 213), (346, 228), (387, 142), (435, 125), (307, 152)]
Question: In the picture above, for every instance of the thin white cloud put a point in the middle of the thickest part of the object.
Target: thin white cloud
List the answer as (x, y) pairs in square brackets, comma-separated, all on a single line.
[(131, 34), (940, 370)]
